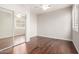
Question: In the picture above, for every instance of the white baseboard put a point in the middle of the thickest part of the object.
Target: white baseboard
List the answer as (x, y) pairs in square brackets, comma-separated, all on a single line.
[(56, 38)]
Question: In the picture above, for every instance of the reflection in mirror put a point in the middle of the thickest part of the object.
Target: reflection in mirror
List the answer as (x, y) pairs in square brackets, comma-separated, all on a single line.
[(19, 30), (6, 26)]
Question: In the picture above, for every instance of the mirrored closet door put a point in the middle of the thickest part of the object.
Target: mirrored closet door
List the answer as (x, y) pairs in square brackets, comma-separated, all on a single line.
[(12, 31), (19, 29), (6, 28)]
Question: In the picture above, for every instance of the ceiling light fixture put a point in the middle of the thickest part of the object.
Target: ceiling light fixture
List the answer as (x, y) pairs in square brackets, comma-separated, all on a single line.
[(45, 7), (18, 15)]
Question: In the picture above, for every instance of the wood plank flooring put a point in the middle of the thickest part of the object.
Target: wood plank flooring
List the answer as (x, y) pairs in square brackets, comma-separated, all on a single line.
[(44, 45), (53, 46)]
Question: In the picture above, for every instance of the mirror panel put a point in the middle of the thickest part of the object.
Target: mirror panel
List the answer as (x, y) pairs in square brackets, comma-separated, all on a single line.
[(6, 28), (19, 32)]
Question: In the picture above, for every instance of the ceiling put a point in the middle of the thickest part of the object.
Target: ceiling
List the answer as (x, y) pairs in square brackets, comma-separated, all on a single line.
[(37, 8)]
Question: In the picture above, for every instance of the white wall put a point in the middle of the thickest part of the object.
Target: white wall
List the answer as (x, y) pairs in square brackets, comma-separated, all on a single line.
[(56, 24), (33, 23), (28, 25), (75, 27)]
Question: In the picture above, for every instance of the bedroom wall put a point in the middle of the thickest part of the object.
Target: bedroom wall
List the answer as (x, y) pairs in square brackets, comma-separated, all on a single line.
[(33, 24), (75, 26), (55, 24)]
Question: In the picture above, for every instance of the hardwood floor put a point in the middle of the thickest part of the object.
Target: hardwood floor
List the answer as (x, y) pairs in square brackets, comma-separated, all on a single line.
[(53, 46), (7, 42), (44, 45)]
